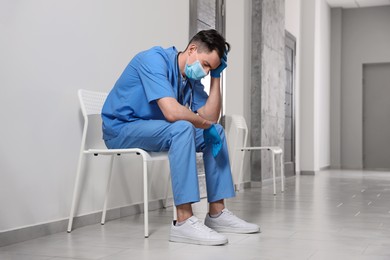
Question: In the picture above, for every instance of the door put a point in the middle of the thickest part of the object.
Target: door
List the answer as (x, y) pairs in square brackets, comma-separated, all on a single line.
[(289, 126), (207, 14), (376, 116)]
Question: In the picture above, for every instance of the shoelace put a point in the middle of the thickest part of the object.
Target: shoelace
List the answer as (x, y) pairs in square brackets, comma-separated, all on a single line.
[(228, 212), (200, 226), (241, 221)]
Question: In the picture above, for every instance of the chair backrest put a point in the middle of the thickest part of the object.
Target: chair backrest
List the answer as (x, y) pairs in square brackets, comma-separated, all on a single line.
[(238, 135), (91, 104), (239, 124)]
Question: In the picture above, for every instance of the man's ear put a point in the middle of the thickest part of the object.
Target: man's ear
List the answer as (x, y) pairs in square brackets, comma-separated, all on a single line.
[(192, 48)]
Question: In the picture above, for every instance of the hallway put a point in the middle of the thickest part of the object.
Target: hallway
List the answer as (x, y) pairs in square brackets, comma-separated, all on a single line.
[(337, 214)]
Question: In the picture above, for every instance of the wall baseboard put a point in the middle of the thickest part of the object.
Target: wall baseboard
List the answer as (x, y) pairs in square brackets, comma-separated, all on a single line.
[(267, 182), (308, 173), (40, 230), (259, 184), (243, 185)]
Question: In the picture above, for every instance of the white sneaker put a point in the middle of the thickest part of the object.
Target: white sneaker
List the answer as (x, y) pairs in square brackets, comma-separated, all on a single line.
[(193, 231), (228, 222)]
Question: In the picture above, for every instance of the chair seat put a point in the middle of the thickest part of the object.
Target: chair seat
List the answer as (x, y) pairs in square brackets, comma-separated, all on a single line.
[(149, 156)]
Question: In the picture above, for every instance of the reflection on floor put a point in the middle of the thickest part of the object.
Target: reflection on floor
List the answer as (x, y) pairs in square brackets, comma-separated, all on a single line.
[(333, 215)]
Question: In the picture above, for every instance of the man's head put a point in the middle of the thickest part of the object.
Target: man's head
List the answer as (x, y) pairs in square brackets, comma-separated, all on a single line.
[(206, 48), (210, 40)]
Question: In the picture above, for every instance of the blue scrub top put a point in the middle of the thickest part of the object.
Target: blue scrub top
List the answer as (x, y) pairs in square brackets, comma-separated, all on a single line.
[(150, 75)]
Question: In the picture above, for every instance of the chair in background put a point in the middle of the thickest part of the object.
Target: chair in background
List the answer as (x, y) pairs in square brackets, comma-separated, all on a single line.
[(239, 125), (91, 104)]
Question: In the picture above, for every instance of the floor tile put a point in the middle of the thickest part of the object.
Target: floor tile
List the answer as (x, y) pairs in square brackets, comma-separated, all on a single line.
[(18, 256), (336, 214)]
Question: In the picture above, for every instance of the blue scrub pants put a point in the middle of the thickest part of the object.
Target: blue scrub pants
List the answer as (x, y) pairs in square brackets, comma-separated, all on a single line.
[(182, 140)]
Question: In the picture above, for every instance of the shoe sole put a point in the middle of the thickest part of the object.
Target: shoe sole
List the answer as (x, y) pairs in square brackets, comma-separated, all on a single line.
[(187, 240), (236, 231)]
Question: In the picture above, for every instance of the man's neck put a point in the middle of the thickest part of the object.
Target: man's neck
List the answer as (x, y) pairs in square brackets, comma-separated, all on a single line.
[(182, 59)]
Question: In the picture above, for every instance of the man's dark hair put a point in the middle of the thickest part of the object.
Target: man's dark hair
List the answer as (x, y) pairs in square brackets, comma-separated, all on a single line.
[(209, 40)]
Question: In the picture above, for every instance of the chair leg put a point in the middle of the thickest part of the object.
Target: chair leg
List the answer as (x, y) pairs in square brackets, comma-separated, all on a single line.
[(240, 177), (166, 198), (273, 171), (75, 192), (282, 170), (146, 199), (174, 212), (167, 191), (107, 191)]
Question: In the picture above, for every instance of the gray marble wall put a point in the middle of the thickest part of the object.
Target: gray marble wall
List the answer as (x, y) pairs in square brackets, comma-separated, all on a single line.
[(268, 83)]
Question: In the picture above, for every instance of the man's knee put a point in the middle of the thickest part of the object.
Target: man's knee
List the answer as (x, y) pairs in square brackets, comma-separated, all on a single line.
[(183, 126)]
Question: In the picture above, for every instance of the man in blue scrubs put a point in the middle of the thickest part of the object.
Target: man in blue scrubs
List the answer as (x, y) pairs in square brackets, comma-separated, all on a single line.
[(159, 104)]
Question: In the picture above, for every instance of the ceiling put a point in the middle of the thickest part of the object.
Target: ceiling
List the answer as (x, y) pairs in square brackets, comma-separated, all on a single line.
[(357, 3)]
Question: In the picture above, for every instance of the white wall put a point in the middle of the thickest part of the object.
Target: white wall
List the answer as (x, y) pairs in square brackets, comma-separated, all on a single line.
[(315, 86), (306, 111), (49, 49), (365, 39), (335, 97), (238, 72), (322, 84)]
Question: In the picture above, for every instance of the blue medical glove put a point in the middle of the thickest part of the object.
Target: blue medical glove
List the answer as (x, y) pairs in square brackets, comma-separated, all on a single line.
[(216, 73), (211, 137)]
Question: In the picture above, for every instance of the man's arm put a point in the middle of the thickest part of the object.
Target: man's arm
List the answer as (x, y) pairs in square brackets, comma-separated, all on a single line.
[(173, 111), (212, 108)]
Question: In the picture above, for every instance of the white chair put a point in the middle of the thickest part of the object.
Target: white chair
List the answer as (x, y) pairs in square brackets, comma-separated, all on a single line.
[(239, 125), (91, 104)]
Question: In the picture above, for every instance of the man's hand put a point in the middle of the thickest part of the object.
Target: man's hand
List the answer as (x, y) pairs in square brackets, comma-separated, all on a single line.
[(216, 73), (211, 137)]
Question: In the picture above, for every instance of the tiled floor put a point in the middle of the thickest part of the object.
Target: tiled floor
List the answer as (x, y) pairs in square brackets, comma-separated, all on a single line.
[(333, 215)]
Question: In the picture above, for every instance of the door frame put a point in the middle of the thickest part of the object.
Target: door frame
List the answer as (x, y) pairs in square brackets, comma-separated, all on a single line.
[(364, 89), (291, 42)]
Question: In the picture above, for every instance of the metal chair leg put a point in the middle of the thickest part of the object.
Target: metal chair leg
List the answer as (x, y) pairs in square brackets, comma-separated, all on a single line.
[(282, 170), (75, 192), (146, 200), (273, 171), (103, 220)]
